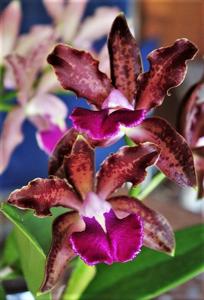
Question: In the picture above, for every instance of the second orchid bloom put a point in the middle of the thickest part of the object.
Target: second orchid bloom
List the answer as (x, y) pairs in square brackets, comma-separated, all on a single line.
[(123, 102)]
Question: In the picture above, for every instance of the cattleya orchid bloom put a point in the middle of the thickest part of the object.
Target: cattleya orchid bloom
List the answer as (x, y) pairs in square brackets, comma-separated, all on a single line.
[(101, 227), (191, 126), (123, 102)]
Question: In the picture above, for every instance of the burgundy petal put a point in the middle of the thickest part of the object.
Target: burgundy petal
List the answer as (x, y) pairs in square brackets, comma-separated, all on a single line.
[(62, 149), (124, 58), (127, 165), (42, 194), (175, 160), (167, 70), (60, 251), (100, 125), (78, 71), (158, 233), (121, 243), (191, 116), (79, 167)]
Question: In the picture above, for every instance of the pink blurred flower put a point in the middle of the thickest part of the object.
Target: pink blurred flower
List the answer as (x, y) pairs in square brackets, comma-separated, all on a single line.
[(45, 111)]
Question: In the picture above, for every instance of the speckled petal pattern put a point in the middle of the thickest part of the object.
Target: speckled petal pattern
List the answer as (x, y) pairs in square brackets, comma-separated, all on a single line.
[(175, 160), (127, 165), (125, 58), (78, 71), (42, 194), (167, 70), (79, 167), (60, 251)]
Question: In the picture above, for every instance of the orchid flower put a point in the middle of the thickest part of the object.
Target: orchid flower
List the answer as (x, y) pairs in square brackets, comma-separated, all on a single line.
[(123, 102), (46, 111), (191, 125), (101, 227)]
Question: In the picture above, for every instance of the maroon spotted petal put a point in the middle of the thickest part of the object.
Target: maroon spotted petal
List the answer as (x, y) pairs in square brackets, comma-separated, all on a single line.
[(61, 251), (78, 71), (127, 165), (175, 160), (167, 70), (100, 125), (42, 194), (158, 233), (79, 167), (191, 116), (62, 149), (125, 58)]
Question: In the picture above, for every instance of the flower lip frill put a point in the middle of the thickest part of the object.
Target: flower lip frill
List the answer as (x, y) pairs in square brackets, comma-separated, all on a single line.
[(123, 102), (191, 126), (101, 227)]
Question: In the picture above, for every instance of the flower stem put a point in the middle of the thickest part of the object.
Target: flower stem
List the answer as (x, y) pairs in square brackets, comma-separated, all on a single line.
[(156, 180), (79, 280)]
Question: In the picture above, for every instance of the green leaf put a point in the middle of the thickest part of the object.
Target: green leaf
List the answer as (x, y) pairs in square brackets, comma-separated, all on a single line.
[(4, 107), (10, 255), (151, 273), (80, 278), (2, 293), (9, 96), (33, 237)]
